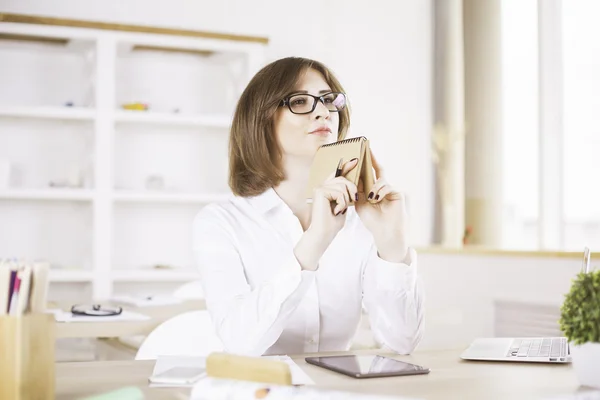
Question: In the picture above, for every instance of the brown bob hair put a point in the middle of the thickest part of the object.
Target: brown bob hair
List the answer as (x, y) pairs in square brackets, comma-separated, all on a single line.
[(254, 153)]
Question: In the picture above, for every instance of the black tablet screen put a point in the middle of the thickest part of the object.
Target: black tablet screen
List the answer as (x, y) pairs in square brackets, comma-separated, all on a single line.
[(368, 365)]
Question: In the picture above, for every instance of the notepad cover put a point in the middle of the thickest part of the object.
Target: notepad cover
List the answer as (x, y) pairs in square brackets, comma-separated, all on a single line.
[(327, 159)]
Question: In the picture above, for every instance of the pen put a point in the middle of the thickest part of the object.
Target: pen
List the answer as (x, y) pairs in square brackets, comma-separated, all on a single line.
[(338, 170), (585, 267), (587, 263)]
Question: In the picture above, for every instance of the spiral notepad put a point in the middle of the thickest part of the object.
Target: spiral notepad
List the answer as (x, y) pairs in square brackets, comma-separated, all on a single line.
[(328, 157)]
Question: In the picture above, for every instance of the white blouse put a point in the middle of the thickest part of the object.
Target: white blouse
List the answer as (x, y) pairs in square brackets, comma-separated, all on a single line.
[(262, 302)]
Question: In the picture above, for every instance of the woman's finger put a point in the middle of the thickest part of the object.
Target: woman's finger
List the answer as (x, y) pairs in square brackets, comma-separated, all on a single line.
[(375, 189), (335, 194), (349, 166), (382, 193), (387, 192), (339, 186), (341, 203), (350, 188)]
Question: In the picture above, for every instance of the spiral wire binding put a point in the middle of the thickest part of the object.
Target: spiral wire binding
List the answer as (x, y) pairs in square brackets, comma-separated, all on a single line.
[(351, 140)]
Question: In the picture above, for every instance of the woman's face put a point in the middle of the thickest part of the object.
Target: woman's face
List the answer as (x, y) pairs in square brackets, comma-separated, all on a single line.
[(301, 135)]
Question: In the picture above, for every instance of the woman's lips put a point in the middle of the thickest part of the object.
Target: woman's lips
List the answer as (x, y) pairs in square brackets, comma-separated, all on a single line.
[(321, 132)]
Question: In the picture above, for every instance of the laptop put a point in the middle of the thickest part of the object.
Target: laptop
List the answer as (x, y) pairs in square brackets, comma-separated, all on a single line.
[(524, 349)]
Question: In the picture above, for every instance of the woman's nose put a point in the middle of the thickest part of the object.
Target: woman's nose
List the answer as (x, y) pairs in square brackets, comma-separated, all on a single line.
[(321, 111)]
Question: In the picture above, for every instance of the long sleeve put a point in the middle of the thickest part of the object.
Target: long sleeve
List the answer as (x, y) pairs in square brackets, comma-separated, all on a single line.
[(393, 298), (248, 320)]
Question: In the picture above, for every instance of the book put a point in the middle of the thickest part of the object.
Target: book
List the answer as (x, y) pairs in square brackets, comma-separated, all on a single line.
[(330, 156)]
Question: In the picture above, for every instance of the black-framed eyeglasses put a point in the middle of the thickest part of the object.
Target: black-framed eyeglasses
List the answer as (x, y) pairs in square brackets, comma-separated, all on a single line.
[(305, 103), (96, 310)]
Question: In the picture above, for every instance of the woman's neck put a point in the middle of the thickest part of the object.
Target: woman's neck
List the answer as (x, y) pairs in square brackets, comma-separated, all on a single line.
[(292, 190)]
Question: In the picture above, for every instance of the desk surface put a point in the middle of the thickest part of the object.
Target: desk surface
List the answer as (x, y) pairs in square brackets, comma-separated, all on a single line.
[(157, 314), (450, 378)]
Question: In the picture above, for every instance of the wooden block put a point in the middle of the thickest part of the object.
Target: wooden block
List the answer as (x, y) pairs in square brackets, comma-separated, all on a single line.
[(230, 366), (27, 357)]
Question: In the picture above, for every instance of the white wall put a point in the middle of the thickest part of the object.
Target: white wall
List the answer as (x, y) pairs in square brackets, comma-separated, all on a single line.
[(469, 296), (466, 293), (380, 50)]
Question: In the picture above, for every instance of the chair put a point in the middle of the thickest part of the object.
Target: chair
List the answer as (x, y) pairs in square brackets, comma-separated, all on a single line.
[(188, 334), (189, 291)]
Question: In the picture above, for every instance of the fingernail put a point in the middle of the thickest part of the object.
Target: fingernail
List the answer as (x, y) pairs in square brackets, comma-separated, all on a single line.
[(356, 196), (371, 195), (377, 197)]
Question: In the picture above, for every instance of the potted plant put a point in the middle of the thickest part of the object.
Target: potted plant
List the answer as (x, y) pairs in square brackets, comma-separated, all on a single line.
[(580, 322)]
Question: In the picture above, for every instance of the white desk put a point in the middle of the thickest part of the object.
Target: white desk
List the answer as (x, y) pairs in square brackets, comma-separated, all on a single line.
[(450, 378), (157, 314)]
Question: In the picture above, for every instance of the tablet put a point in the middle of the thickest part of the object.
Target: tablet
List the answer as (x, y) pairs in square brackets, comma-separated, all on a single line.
[(367, 366)]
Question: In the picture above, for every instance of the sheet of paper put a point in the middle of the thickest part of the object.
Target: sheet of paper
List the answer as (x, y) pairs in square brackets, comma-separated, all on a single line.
[(147, 301), (164, 363), (66, 316)]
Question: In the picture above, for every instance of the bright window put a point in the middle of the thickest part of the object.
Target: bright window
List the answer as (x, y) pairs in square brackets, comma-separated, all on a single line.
[(581, 137)]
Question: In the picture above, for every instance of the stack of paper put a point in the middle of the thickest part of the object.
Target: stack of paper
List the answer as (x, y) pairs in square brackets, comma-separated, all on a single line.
[(66, 316)]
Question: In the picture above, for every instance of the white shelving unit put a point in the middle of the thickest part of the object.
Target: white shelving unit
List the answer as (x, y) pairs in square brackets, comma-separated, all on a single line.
[(174, 198), (48, 194), (56, 113), (103, 193), (69, 276), (154, 276), (192, 121)]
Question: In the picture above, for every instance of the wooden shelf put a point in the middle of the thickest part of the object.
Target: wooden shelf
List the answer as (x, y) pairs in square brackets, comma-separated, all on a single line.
[(43, 112), (47, 194), (173, 119), (157, 197), (154, 275), (76, 23), (34, 38)]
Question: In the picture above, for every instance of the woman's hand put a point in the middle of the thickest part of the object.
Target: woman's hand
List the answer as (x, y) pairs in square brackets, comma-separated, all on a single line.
[(330, 202), (383, 212)]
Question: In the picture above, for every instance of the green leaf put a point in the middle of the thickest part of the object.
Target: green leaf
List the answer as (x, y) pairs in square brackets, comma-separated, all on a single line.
[(580, 311)]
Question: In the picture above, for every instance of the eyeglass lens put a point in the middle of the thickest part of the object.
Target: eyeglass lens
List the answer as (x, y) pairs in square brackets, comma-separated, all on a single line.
[(303, 103)]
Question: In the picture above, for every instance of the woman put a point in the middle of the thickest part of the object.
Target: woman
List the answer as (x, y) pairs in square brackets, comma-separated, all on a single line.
[(285, 276)]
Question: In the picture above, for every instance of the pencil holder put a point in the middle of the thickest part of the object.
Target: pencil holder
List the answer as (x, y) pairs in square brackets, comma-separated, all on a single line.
[(27, 357)]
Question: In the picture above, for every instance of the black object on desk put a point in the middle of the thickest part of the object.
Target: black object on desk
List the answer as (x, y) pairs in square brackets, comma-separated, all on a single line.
[(367, 366)]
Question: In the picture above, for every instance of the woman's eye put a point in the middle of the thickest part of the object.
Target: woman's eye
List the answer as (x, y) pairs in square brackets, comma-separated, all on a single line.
[(298, 102)]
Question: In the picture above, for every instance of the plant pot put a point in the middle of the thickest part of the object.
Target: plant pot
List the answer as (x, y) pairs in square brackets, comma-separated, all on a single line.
[(586, 363)]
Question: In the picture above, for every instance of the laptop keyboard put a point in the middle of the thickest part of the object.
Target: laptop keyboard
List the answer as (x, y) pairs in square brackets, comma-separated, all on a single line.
[(539, 347)]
